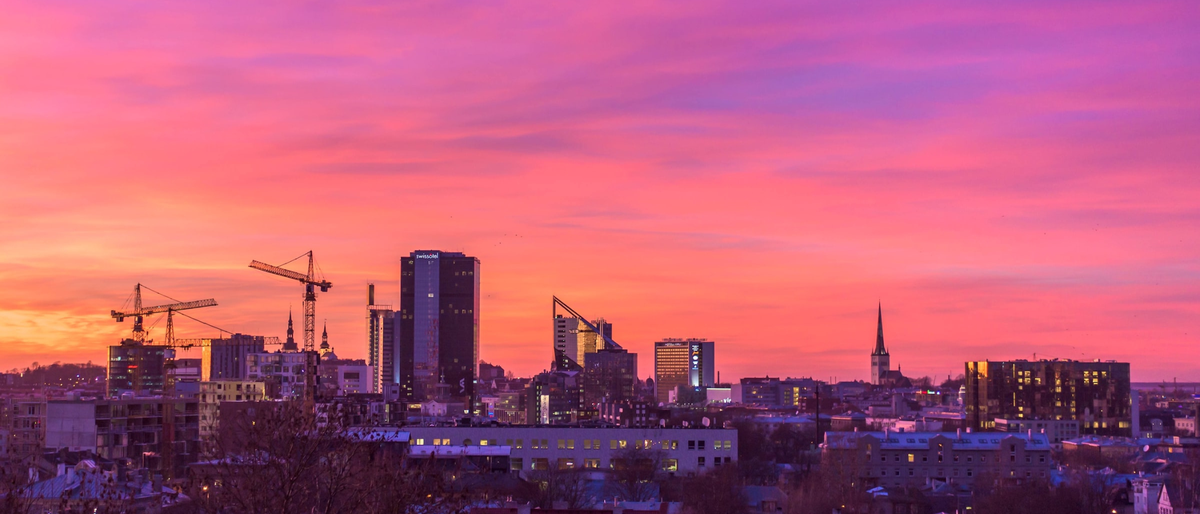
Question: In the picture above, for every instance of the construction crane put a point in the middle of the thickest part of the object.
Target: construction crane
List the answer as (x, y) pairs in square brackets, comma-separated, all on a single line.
[(138, 312), (311, 282), (139, 334)]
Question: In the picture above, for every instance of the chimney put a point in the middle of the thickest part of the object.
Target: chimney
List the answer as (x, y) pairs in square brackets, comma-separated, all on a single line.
[(960, 433)]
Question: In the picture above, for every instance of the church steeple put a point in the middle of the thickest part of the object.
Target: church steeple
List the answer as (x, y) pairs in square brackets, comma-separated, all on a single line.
[(290, 345), (880, 349), (881, 362), (325, 339)]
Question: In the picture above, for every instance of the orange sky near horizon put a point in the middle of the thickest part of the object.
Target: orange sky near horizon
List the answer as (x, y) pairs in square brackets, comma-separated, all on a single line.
[(1007, 180)]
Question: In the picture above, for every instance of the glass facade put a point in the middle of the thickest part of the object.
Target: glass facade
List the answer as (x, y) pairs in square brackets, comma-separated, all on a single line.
[(1096, 394), (439, 325)]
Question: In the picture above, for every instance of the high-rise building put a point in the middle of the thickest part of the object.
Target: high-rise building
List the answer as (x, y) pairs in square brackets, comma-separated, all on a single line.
[(880, 360), (1096, 394), (439, 325), (682, 362), (382, 345), (225, 359), (576, 339), (135, 367)]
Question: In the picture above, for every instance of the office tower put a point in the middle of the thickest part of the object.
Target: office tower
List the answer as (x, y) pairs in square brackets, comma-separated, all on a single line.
[(381, 342), (439, 325), (225, 359), (576, 339), (682, 362), (1096, 394), (880, 360), (135, 367)]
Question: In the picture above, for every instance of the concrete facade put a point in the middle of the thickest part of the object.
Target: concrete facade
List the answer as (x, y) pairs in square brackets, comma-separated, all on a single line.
[(684, 451)]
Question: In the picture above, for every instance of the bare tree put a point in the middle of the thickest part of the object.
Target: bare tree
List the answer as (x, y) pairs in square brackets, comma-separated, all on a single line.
[(717, 492), (636, 473), (279, 458), (565, 487)]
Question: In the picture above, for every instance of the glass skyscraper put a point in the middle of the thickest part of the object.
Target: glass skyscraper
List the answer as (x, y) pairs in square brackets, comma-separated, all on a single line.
[(439, 326)]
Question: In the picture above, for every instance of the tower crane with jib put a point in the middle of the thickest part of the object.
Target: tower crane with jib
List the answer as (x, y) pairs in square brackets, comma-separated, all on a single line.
[(311, 282), (139, 333)]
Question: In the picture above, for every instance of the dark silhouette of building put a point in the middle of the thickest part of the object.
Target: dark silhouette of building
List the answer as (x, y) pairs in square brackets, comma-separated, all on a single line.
[(554, 398), (135, 367), (609, 374), (1096, 394), (439, 326)]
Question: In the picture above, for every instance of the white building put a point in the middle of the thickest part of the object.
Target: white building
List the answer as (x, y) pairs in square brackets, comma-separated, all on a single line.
[(683, 451)]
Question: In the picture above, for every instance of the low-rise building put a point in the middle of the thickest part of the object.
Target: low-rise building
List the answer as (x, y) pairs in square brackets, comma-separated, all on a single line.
[(893, 459), (682, 451), (1057, 430)]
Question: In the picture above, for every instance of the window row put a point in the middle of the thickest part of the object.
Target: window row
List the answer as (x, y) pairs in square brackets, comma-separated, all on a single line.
[(586, 444)]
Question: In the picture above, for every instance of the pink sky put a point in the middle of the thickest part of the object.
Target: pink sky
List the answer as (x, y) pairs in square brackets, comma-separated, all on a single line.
[(1005, 179)]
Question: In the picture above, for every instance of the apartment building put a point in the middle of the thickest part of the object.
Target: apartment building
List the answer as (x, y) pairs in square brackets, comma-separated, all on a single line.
[(894, 459)]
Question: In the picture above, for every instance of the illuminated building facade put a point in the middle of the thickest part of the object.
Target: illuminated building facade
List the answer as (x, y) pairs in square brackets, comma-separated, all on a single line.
[(1096, 394), (682, 362)]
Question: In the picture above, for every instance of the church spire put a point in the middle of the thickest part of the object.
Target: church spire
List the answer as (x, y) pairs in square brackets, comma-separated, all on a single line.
[(325, 338), (880, 349), (290, 345)]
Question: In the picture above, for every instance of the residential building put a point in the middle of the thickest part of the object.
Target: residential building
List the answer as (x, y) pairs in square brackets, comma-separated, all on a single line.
[(375, 340), (158, 433), (439, 325), (892, 459), (682, 362), (682, 451), (225, 359), (214, 392), (1096, 394), (282, 371)]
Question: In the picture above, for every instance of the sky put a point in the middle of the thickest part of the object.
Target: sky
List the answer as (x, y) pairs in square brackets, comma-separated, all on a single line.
[(1009, 180)]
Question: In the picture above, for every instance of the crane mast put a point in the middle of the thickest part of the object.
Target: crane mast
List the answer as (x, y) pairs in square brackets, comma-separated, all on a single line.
[(311, 283)]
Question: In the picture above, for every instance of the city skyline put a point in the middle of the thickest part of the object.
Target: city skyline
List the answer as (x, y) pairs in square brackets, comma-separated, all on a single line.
[(1007, 182)]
